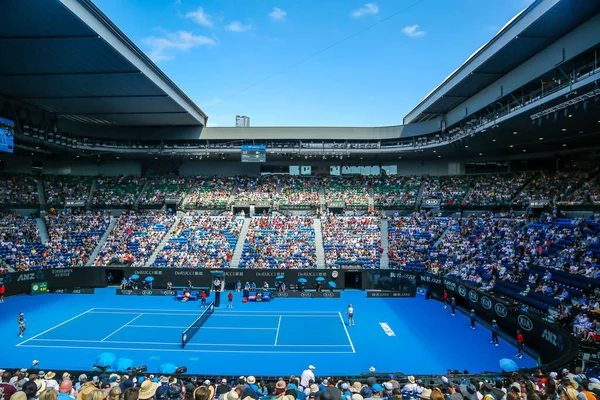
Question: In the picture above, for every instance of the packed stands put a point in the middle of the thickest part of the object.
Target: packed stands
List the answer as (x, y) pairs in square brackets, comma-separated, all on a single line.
[(351, 240), (73, 237), (160, 188), (412, 237), (210, 193), (279, 241), (450, 190), (20, 244), (396, 191), (60, 188), (262, 189), (354, 192), (299, 192), (495, 190), (557, 187), (202, 241), (18, 190), (134, 238), (117, 191)]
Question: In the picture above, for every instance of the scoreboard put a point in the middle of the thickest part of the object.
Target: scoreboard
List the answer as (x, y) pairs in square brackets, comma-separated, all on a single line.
[(7, 135), (39, 288), (254, 153)]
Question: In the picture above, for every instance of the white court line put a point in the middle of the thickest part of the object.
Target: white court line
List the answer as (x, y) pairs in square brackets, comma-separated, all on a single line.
[(219, 315), (55, 326), (186, 350), (204, 327), (190, 344), (278, 326), (121, 327), (222, 311), (346, 329)]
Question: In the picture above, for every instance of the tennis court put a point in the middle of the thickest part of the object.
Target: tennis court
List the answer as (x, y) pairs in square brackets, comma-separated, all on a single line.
[(415, 336), (224, 331)]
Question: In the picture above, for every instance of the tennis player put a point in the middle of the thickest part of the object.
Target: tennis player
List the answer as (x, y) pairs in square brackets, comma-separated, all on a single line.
[(350, 314), (22, 327)]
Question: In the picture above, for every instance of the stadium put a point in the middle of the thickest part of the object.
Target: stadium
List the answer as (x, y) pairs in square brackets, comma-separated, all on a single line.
[(145, 254)]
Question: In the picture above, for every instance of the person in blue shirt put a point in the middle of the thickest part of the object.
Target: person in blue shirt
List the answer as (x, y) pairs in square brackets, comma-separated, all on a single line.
[(472, 316), (495, 330), (247, 286), (453, 305), (238, 286), (253, 286)]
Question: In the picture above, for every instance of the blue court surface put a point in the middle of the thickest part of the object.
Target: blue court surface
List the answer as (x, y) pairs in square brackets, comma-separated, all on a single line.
[(414, 336)]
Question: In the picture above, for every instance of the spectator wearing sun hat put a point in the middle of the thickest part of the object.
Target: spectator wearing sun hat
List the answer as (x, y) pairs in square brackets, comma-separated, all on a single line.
[(251, 389), (411, 386), (51, 383)]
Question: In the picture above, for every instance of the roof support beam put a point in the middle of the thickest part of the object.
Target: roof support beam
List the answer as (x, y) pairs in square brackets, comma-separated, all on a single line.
[(142, 96), (73, 73), (91, 36)]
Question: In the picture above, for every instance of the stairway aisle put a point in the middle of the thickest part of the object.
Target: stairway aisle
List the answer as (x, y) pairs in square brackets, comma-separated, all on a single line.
[(44, 237), (90, 200), (111, 225), (239, 247), (319, 243), (384, 262), (164, 240), (41, 194)]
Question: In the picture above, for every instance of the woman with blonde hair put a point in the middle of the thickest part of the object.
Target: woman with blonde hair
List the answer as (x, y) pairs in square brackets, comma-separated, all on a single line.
[(96, 395), (49, 394), (115, 393)]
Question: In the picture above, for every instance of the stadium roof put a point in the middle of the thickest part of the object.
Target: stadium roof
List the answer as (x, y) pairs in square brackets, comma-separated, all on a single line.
[(69, 59), (525, 35)]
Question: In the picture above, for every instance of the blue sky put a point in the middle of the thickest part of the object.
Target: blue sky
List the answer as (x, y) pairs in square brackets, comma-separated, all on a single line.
[(281, 62)]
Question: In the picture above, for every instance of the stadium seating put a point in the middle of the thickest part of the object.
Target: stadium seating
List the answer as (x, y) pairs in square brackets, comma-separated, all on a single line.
[(20, 244), (117, 191), (134, 238), (351, 240), (299, 192), (73, 237), (18, 190), (210, 193), (60, 188), (354, 192), (201, 241), (396, 191), (280, 241)]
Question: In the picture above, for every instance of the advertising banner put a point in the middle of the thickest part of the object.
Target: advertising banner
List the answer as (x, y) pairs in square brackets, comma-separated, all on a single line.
[(306, 295)]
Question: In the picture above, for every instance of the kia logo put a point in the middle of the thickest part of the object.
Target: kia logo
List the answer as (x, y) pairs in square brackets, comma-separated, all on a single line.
[(525, 322), (146, 292), (486, 303), (473, 296), (501, 310), (304, 294), (431, 202), (328, 294), (462, 291), (282, 294)]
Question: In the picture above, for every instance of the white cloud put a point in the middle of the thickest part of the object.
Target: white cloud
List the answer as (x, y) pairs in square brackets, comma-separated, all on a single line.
[(161, 48), (278, 14), (367, 9), (200, 17), (213, 102), (413, 31), (237, 26)]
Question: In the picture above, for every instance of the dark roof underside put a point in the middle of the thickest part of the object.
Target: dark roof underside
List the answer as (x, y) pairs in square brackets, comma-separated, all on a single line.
[(551, 26), (55, 62)]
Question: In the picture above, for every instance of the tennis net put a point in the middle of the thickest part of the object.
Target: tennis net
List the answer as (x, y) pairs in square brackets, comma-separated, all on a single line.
[(189, 333)]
